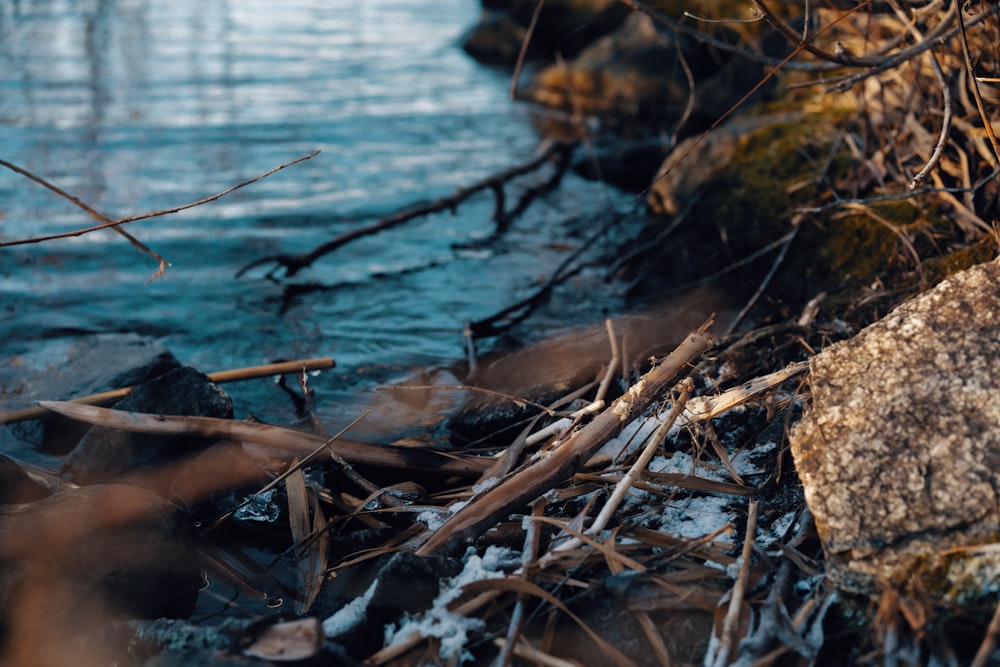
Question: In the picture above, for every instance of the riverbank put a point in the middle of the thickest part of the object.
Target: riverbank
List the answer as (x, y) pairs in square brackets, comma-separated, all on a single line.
[(623, 492)]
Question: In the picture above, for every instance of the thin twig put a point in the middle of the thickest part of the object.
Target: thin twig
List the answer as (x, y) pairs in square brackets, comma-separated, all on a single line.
[(524, 49), (727, 639), (945, 127), (789, 238), (273, 438), (987, 125), (121, 221), (136, 243), (989, 641)]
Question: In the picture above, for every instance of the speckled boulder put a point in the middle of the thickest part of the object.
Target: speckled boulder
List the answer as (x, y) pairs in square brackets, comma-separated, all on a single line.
[(900, 452)]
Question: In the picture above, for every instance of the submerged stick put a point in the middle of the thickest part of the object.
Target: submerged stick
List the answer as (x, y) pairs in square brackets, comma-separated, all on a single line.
[(235, 375), (279, 438), (543, 475)]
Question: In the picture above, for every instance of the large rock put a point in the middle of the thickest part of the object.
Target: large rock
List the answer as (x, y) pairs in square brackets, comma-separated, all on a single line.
[(900, 453)]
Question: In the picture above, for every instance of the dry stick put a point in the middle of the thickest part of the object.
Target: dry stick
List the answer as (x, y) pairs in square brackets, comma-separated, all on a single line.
[(517, 400), (136, 243), (796, 224), (945, 127), (543, 475), (529, 553), (625, 483), (293, 467), (274, 437), (939, 35), (524, 49), (523, 649), (987, 125), (235, 375), (563, 425), (989, 641), (511, 455), (844, 59), (744, 392), (739, 588), (144, 216), (295, 263)]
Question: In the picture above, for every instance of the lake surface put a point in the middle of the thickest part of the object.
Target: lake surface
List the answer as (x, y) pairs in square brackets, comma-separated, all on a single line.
[(135, 106)]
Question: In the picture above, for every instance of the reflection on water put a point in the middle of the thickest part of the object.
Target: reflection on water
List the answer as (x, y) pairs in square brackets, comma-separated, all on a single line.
[(134, 106)]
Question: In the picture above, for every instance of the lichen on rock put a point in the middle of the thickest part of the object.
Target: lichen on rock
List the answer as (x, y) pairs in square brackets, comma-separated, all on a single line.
[(900, 453)]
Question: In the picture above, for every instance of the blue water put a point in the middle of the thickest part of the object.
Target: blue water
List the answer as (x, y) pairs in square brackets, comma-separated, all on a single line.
[(135, 106)]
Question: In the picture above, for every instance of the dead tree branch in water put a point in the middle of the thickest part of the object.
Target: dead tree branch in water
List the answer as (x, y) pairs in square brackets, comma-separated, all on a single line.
[(556, 152)]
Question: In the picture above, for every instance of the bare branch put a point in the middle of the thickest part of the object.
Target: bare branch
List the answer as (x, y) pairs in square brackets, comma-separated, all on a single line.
[(121, 221)]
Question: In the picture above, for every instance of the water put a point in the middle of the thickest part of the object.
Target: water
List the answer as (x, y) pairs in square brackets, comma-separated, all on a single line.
[(135, 106)]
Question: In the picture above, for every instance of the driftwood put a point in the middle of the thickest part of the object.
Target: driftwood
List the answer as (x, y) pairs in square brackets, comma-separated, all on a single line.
[(546, 473), (284, 440)]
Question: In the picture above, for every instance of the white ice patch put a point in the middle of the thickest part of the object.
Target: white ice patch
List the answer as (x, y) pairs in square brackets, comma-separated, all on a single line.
[(349, 615), (695, 517), (453, 629), (434, 518)]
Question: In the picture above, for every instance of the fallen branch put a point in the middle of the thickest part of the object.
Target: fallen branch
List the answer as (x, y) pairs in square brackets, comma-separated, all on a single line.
[(295, 263), (541, 476), (285, 440), (235, 375)]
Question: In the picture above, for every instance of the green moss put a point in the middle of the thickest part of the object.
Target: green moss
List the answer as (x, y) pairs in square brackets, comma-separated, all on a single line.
[(939, 268)]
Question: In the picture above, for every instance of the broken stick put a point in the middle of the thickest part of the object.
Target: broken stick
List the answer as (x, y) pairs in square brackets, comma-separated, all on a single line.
[(544, 474)]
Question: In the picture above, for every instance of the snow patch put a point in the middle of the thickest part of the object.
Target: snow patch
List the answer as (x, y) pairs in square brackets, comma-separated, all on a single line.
[(451, 628)]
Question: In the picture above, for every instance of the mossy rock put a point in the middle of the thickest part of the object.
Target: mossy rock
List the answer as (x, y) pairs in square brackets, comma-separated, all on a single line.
[(865, 258)]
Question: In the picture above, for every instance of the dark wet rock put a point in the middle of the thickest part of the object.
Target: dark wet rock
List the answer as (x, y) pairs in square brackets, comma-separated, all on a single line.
[(362, 600), (73, 561), (496, 39), (564, 27), (629, 165), (900, 452), (92, 364), (104, 452)]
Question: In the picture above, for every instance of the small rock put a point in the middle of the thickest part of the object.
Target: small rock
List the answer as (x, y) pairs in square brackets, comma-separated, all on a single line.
[(91, 364), (495, 40), (105, 452), (900, 453)]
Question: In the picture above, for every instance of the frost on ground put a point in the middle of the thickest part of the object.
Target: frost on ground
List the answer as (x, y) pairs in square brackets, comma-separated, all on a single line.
[(452, 629)]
